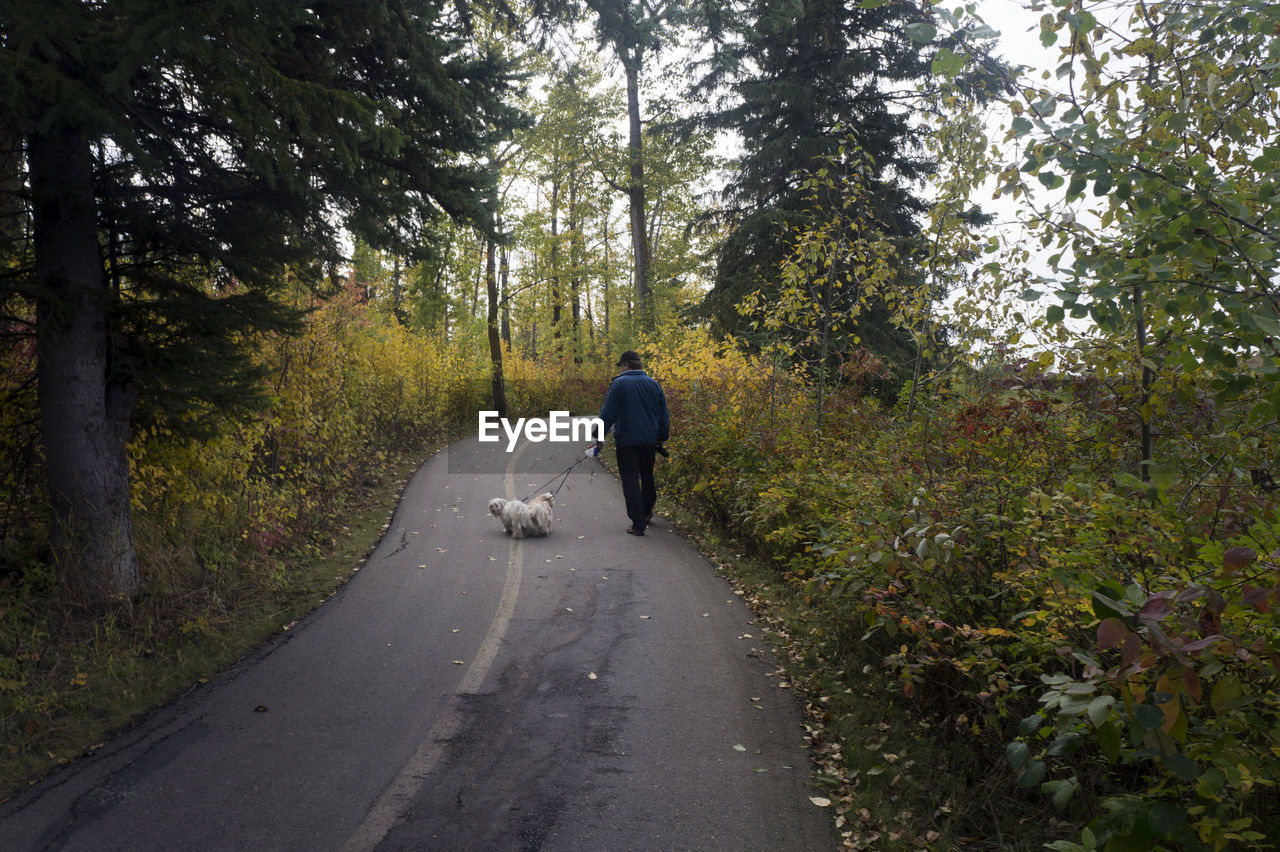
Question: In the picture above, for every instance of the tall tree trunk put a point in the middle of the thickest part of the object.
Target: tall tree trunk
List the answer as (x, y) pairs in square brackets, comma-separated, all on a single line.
[(475, 283), (1146, 436), (397, 292), (555, 264), (604, 285), (12, 210), (495, 339), (86, 397), (575, 265), (504, 277), (632, 59)]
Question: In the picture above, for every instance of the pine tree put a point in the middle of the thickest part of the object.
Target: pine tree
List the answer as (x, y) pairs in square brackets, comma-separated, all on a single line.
[(794, 78), (178, 159)]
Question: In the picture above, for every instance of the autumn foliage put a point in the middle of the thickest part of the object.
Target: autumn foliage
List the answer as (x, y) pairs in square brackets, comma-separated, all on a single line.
[(1106, 643)]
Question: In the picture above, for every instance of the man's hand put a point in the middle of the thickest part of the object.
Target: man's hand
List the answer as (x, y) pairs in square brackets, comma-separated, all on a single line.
[(662, 451), (598, 447)]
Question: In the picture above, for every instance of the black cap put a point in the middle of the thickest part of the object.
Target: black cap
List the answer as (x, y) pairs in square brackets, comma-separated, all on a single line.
[(627, 357)]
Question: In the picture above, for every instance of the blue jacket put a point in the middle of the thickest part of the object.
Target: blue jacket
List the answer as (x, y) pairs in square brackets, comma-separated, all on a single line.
[(636, 410)]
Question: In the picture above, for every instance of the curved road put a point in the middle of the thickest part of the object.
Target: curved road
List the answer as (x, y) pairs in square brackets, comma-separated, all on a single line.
[(585, 691)]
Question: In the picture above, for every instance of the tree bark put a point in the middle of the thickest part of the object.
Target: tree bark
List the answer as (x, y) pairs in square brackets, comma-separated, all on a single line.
[(495, 337), (632, 59), (86, 395), (1146, 436), (504, 276), (604, 283), (397, 293), (555, 264), (575, 265)]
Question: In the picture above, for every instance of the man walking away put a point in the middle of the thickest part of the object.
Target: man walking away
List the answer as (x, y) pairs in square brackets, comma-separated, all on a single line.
[(636, 410)]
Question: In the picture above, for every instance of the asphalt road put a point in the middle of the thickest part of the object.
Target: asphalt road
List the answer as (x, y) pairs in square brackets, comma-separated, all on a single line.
[(589, 690)]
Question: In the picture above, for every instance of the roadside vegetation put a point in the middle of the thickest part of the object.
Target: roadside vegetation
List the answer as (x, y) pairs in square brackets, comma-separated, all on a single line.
[(1004, 643)]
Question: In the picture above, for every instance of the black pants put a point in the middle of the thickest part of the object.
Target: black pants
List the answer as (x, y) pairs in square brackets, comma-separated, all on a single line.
[(635, 469)]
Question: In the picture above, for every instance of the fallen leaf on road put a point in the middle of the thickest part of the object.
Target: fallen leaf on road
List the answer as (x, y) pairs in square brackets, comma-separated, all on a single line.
[(646, 616), (422, 566), (739, 747), (820, 801), (592, 676), (261, 708), (441, 550), (459, 663), (455, 630)]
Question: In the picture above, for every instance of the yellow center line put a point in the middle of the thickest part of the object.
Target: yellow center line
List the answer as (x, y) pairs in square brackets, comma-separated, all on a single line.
[(506, 605), (396, 798)]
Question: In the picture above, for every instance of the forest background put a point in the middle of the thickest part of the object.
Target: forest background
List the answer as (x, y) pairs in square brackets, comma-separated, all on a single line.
[(1005, 495)]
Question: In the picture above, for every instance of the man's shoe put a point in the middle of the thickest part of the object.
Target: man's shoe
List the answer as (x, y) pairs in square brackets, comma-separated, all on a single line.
[(633, 531)]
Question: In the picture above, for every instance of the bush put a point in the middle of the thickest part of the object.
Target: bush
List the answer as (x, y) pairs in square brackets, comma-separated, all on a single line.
[(1106, 642)]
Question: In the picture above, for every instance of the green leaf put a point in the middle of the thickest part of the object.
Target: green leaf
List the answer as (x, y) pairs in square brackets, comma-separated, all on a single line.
[(1016, 754), (1149, 716), (1211, 782), (1064, 745), (1062, 791), (1163, 476), (921, 32), (1182, 766), (947, 63), (1167, 818), (1051, 180), (1028, 726), (1055, 314), (1105, 606), (1100, 709), (1226, 693), (1032, 774), (1109, 741)]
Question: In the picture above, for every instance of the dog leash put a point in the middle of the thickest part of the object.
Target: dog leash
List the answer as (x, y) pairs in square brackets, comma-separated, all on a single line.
[(565, 473)]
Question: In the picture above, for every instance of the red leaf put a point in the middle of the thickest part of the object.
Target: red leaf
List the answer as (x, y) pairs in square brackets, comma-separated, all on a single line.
[(1236, 558), (1189, 594), (1192, 681), (1209, 622), (1201, 644), (1156, 607), (1256, 598), (1132, 647), (1111, 632)]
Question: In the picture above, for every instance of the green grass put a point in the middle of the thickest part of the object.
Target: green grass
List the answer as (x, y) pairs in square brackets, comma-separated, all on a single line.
[(70, 678)]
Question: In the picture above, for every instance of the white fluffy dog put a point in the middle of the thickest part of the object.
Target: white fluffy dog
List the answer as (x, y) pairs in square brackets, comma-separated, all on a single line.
[(523, 519)]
